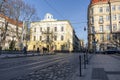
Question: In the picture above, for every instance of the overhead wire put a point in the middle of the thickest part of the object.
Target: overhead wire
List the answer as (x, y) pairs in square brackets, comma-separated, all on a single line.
[(61, 14), (54, 9)]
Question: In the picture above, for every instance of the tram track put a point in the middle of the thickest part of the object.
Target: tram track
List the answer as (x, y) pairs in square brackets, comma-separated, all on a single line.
[(23, 69)]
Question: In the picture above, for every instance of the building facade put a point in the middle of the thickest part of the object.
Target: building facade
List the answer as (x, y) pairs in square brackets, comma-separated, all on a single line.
[(8, 31), (103, 24), (82, 46), (57, 35)]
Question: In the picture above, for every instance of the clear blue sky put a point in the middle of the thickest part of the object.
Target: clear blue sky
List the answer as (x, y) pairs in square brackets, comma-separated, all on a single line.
[(73, 10)]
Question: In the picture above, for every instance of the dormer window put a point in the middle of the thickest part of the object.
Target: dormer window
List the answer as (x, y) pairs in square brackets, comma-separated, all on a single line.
[(49, 17)]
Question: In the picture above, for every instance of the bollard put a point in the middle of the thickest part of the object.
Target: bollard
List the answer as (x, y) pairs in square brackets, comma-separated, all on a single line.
[(84, 61), (87, 58), (80, 66)]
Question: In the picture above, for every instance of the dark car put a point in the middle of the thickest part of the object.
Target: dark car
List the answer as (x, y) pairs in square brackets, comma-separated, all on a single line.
[(112, 51)]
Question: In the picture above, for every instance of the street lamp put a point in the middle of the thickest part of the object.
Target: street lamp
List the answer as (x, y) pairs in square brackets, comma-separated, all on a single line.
[(85, 29), (110, 16), (94, 41), (110, 13)]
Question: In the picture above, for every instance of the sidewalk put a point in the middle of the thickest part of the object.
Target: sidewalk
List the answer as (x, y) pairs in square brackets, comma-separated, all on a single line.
[(16, 55), (22, 55), (100, 67)]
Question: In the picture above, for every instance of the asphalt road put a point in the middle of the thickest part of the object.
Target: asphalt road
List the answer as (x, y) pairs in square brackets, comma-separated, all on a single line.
[(13, 67)]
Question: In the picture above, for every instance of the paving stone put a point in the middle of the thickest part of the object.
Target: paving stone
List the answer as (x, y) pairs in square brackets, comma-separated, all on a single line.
[(99, 73)]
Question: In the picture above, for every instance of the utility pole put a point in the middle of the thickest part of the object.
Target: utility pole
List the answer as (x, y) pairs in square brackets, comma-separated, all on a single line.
[(110, 13)]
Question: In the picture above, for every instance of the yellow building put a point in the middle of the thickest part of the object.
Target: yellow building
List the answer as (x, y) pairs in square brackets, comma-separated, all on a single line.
[(53, 34), (103, 24), (82, 46)]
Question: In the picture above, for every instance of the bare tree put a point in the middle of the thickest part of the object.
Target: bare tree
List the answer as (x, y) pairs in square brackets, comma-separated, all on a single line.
[(19, 11), (1, 5), (22, 12), (49, 39)]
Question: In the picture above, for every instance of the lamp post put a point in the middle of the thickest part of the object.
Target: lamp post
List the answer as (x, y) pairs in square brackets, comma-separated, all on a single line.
[(86, 46), (110, 17), (94, 40), (110, 13)]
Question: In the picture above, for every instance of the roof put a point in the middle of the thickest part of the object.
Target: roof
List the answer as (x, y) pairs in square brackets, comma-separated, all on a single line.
[(12, 21), (96, 1), (101, 1)]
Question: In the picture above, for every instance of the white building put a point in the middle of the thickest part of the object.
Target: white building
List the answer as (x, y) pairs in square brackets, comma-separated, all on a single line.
[(8, 31), (51, 32)]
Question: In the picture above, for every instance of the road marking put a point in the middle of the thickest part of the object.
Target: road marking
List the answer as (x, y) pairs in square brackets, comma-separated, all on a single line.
[(32, 63)]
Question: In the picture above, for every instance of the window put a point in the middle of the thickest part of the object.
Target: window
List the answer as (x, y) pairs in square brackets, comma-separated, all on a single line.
[(62, 28), (34, 29), (100, 9), (48, 29), (48, 39), (118, 16), (55, 38), (114, 17), (40, 38), (34, 38), (101, 37), (101, 19), (62, 38), (119, 7), (40, 29), (108, 27), (114, 27), (92, 10), (107, 9), (55, 29), (92, 20), (101, 28), (119, 27), (34, 47), (113, 8), (107, 18), (62, 47), (92, 29), (108, 36)]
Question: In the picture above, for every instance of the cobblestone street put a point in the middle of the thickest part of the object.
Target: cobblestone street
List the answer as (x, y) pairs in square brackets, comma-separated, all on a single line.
[(48, 67), (59, 71)]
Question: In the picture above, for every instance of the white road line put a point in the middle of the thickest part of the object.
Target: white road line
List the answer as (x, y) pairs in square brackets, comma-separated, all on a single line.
[(31, 64)]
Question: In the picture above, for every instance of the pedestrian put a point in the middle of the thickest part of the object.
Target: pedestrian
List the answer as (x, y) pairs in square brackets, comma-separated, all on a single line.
[(25, 50), (38, 50), (43, 49)]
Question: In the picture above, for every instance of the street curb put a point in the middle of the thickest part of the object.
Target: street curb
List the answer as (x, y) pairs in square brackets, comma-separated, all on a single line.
[(8, 57)]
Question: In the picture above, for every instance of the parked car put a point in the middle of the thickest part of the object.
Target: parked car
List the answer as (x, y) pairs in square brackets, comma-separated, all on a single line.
[(99, 52), (111, 51)]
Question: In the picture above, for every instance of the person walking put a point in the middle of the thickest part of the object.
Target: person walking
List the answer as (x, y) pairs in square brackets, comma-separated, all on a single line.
[(25, 50), (37, 49)]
